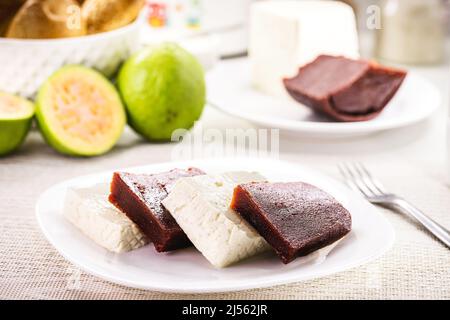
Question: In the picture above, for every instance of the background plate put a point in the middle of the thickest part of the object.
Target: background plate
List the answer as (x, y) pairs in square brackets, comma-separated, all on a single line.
[(186, 270), (230, 90)]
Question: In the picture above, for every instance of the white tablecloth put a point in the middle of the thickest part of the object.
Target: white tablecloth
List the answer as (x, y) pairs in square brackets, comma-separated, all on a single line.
[(416, 267)]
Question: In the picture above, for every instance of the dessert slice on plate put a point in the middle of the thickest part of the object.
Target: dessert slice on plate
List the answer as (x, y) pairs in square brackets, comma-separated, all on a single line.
[(295, 218), (89, 210), (345, 89), (140, 197), (201, 206)]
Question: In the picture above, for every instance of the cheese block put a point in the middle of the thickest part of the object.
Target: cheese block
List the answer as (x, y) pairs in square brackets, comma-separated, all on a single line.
[(90, 211), (201, 206), (285, 35)]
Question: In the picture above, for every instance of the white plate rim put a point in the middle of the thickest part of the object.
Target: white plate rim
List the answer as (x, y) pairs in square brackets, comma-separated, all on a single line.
[(236, 287)]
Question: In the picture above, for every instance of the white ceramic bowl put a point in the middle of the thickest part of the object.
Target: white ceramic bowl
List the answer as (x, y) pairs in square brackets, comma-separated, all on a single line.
[(26, 64)]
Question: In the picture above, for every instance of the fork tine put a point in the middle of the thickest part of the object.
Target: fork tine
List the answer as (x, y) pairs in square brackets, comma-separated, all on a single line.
[(359, 180), (377, 184), (352, 179), (348, 180), (367, 179)]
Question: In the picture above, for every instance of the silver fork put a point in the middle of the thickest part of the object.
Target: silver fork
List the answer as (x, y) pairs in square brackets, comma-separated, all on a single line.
[(361, 180)]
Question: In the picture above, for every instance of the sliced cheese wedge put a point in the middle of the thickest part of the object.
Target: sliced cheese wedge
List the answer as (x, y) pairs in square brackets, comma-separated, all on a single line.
[(90, 211), (201, 206)]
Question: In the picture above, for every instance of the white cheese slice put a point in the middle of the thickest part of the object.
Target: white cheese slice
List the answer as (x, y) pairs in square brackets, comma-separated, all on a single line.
[(201, 206), (90, 211), (285, 35)]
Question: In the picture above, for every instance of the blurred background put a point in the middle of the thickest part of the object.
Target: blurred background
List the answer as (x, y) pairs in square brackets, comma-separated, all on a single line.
[(411, 34), (405, 31)]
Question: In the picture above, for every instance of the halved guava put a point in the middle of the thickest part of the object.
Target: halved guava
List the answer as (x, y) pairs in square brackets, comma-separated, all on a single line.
[(15, 119), (80, 112)]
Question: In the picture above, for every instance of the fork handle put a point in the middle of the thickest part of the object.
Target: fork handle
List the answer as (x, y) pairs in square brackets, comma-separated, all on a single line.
[(435, 228)]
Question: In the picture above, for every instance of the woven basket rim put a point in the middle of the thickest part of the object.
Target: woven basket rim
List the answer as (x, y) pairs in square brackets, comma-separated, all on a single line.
[(74, 40)]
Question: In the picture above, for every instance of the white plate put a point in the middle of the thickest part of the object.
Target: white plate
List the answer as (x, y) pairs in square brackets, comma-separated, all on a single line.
[(187, 270), (230, 90)]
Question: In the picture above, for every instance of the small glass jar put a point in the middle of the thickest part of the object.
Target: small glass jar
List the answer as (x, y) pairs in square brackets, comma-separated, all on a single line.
[(412, 31)]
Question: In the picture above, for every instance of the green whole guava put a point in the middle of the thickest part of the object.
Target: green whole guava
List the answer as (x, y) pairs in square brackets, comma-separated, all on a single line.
[(163, 88)]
